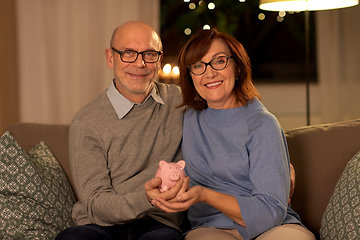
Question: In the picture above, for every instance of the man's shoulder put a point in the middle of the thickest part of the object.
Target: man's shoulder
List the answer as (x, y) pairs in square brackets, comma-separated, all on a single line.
[(169, 91), (95, 108), (167, 87)]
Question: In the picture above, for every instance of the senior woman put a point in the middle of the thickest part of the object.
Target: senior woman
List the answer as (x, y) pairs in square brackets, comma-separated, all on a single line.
[(235, 149)]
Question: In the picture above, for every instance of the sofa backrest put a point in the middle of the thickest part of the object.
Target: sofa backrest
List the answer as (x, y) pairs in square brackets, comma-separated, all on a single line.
[(319, 154)]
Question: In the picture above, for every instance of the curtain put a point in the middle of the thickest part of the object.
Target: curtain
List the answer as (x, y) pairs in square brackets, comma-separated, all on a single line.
[(61, 46), (9, 103), (338, 50)]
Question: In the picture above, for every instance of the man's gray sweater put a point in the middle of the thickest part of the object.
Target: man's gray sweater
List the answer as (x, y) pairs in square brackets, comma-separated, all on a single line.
[(112, 158)]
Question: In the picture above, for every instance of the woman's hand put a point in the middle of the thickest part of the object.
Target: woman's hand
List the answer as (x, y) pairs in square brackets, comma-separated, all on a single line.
[(225, 203), (183, 201), (153, 192)]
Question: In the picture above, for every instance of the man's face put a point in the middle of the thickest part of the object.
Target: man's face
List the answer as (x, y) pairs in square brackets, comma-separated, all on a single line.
[(134, 80)]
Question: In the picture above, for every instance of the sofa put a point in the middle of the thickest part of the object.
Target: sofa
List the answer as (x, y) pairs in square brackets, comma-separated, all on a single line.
[(318, 153)]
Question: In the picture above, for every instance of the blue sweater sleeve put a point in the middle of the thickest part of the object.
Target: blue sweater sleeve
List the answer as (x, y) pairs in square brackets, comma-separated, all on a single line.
[(269, 174)]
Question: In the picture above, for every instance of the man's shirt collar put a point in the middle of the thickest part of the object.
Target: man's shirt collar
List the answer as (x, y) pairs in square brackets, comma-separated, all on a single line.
[(122, 105)]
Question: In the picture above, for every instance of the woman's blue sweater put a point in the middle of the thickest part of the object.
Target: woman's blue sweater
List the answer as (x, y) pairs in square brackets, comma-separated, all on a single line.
[(241, 152)]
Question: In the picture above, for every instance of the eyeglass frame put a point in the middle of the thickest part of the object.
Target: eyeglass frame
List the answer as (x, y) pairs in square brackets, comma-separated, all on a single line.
[(209, 63), (120, 52)]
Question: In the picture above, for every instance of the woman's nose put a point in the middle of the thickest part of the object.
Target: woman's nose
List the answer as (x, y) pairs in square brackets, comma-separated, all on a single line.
[(210, 72)]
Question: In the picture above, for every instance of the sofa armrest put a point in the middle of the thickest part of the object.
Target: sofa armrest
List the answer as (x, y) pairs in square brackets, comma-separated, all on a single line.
[(319, 154)]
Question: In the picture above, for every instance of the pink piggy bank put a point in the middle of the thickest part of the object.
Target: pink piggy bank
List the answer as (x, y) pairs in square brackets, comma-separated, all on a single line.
[(170, 173)]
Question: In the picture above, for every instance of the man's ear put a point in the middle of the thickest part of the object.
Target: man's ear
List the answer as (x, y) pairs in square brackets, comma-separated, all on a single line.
[(159, 62), (109, 58)]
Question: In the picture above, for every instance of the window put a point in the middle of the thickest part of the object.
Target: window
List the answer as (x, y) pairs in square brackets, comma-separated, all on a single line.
[(274, 41)]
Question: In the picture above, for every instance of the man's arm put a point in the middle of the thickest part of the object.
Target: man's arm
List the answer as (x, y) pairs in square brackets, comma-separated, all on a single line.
[(92, 178)]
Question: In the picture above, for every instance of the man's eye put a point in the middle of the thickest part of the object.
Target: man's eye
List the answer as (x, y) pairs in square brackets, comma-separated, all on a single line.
[(151, 54), (128, 53)]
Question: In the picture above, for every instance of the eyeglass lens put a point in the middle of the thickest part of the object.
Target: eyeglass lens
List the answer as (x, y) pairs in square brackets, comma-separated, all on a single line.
[(131, 56), (217, 63)]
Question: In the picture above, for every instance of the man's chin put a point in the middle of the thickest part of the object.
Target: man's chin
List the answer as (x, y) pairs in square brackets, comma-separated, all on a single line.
[(143, 89)]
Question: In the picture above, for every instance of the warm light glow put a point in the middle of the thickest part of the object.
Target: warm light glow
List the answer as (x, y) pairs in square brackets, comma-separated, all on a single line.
[(186, 0), (242, 0), (167, 68), (211, 6), (206, 27), (302, 5), (282, 14), (261, 16), (187, 31), (192, 6), (175, 70)]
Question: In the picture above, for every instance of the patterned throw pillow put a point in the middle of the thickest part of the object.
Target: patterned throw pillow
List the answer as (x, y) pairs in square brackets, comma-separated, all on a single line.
[(341, 220), (36, 197)]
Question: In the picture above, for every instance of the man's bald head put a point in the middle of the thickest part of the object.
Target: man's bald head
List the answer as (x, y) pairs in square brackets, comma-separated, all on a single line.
[(133, 27)]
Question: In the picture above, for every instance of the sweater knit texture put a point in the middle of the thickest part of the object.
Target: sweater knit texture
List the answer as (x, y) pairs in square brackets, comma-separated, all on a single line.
[(241, 152), (112, 158)]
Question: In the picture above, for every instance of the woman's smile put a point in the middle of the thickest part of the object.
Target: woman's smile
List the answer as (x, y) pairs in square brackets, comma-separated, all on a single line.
[(213, 85)]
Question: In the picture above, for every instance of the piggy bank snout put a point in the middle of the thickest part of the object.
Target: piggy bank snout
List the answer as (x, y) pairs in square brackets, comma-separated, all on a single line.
[(174, 176)]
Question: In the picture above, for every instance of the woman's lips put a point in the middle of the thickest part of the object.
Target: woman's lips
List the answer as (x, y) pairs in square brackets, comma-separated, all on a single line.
[(213, 84)]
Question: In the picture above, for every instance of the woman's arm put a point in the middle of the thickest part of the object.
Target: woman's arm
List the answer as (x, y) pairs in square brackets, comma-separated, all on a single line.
[(225, 203)]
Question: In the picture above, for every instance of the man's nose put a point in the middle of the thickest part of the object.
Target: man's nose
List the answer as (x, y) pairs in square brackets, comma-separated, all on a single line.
[(140, 61)]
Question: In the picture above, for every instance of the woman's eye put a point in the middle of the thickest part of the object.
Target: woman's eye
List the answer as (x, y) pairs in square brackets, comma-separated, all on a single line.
[(197, 65), (220, 60)]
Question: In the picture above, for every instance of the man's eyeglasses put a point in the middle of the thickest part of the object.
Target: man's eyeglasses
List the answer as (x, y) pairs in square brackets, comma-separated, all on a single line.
[(217, 63), (130, 56)]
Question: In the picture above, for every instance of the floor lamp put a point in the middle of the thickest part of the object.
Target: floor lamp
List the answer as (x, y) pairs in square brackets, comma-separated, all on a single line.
[(306, 5)]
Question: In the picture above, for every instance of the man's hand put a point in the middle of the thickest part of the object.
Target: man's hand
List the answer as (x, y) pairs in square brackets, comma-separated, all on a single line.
[(153, 192), (182, 202)]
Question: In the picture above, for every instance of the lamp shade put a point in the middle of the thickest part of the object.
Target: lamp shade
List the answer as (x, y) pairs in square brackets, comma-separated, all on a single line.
[(303, 5)]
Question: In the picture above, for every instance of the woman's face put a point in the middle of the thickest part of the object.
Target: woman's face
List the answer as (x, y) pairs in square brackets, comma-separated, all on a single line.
[(216, 86)]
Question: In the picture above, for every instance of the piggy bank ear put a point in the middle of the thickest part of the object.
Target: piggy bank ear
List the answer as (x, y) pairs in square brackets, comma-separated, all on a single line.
[(162, 164), (181, 163)]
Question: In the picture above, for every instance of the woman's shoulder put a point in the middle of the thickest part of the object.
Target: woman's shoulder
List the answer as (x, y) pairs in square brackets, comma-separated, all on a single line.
[(260, 116), (190, 112)]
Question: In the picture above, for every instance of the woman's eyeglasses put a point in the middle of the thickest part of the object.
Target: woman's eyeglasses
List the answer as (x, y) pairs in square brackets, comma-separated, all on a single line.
[(217, 63)]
